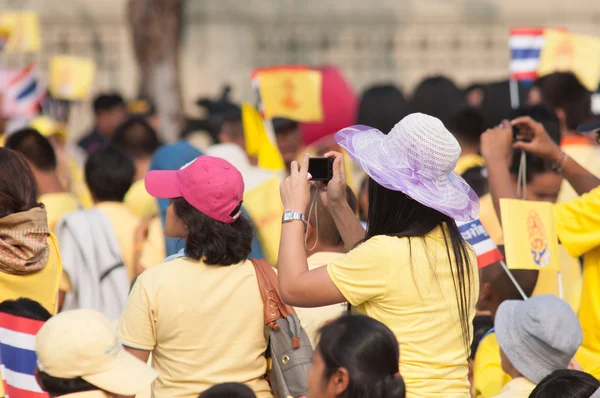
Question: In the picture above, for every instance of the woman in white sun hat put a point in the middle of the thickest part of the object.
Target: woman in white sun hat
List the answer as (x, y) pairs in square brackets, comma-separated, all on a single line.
[(412, 270)]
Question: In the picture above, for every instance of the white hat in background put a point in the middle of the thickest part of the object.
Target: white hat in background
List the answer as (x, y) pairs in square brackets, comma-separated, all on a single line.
[(83, 343)]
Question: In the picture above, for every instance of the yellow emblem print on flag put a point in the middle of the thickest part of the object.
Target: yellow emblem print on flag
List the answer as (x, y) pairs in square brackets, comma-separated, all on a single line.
[(291, 92), (71, 78), (24, 28), (579, 54), (530, 240)]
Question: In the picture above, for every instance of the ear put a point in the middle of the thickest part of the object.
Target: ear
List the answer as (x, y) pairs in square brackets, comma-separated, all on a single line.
[(486, 296), (339, 381)]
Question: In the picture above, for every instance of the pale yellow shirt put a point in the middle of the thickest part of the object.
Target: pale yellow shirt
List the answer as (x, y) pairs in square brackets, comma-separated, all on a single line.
[(154, 249), (584, 153), (139, 201), (517, 388), (488, 376), (124, 224), (57, 205), (89, 394), (203, 324), (313, 319), (409, 287)]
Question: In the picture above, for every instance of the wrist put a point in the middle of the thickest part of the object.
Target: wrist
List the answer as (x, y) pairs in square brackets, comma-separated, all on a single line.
[(556, 155)]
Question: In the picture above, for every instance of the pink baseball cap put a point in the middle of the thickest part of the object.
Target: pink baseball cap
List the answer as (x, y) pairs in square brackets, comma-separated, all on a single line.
[(212, 185)]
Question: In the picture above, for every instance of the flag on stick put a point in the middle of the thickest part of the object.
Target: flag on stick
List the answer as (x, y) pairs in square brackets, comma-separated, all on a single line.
[(292, 92), (23, 94), (475, 234)]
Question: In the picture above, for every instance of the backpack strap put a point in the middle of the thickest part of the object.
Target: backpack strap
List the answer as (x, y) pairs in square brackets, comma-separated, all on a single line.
[(275, 308)]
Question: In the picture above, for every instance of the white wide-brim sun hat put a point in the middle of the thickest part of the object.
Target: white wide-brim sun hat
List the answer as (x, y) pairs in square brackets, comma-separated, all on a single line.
[(417, 158)]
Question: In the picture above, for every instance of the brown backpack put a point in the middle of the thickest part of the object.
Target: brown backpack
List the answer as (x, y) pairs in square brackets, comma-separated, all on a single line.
[(289, 350)]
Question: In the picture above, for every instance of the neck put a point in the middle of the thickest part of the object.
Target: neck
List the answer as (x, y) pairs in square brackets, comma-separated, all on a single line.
[(324, 248), (48, 182), (513, 373)]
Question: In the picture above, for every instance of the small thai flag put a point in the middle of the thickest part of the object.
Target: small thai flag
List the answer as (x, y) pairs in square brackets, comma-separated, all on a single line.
[(17, 356), (475, 234), (23, 94), (525, 47)]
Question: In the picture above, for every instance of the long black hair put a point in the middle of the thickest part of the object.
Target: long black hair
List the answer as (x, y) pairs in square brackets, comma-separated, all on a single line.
[(368, 350), (393, 213)]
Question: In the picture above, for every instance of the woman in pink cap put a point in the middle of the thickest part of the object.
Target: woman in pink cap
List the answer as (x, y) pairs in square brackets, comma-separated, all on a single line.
[(411, 270), (201, 315)]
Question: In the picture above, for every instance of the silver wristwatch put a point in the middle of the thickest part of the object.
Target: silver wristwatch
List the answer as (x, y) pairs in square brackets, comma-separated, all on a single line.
[(290, 215)]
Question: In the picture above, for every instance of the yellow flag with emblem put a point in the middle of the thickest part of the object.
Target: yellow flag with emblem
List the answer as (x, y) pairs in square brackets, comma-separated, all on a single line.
[(579, 54), (23, 28), (259, 143), (530, 240), (291, 92), (71, 78)]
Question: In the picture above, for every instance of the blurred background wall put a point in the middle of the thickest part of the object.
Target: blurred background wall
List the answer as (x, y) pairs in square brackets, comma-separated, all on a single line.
[(372, 41)]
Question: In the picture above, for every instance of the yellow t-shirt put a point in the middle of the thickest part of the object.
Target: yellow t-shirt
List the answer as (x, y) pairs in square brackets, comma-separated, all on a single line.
[(488, 376), (547, 282), (313, 319), (584, 153), (264, 206), (467, 162), (517, 388), (41, 286), (154, 250), (139, 201), (394, 282), (57, 205), (78, 186), (124, 224), (578, 228), (204, 325)]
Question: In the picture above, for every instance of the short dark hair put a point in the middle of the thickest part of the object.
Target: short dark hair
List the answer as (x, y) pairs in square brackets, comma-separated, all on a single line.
[(466, 123), (284, 126), (228, 390), (323, 220), (18, 189), (503, 286), (368, 350), (109, 173), (381, 107), (59, 386), (35, 147), (107, 101), (536, 165), (137, 137), (436, 96), (25, 308), (215, 242), (566, 383), (564, 90)]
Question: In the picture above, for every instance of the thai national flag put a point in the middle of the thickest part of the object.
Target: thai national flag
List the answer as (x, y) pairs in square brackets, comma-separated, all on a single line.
[(17, 356), (23, 94), (485, 248), (525, 47)]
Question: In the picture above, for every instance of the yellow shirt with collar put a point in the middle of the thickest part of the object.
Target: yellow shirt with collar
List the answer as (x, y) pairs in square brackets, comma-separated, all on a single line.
[(124, 224), (313, 319), (57, 205), (204, 325), (391, 280), (578, 228), (517, 388)]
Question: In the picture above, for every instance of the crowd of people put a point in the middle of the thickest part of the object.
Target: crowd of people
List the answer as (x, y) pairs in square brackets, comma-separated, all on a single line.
[(140, 257)]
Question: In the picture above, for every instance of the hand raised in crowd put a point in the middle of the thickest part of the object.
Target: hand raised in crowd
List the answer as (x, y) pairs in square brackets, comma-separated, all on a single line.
[(534, 139), (496, 144), (334, 192), (295, 189)]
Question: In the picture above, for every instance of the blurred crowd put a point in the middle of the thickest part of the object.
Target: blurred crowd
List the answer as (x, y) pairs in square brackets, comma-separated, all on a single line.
[(138, 257)]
